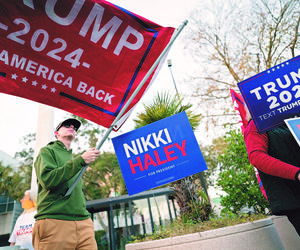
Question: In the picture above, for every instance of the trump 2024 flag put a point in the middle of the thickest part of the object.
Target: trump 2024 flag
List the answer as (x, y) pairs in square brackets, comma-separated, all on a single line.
[(159, 153), (83, 56)]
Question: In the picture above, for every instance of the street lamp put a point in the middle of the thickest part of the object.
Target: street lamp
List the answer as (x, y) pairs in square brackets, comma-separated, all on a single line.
[(170, 65), (200, 174)]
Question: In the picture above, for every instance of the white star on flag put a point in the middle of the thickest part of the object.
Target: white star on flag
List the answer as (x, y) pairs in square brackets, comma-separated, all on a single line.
[(14, 76), (24, 79), (44, 86), (34, 83), (53, 90)]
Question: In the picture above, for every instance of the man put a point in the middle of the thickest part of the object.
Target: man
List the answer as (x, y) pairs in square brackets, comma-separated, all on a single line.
[(22, 233), (62, 222)]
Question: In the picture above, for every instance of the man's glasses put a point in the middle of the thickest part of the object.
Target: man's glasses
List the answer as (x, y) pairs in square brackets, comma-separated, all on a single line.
[(69, 125)]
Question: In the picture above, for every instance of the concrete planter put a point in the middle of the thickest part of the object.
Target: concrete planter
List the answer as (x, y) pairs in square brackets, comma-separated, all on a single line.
[(260, 234), (287, 233)]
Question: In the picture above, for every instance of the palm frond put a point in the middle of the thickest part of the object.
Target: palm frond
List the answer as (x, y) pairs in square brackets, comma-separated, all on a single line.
[(164, 105)]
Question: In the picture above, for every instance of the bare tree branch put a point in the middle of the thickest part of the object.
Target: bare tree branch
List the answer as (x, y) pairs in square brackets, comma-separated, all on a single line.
[(236, 42), (293, 43)]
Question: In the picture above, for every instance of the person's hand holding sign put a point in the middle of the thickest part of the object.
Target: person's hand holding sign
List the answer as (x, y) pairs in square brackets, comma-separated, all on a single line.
[(90, 155)]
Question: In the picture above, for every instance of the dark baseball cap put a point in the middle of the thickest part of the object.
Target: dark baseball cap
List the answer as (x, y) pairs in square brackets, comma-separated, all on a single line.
[(71, 121)]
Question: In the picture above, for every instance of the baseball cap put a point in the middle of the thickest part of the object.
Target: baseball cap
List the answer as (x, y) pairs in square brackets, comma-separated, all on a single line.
[(71, 121)]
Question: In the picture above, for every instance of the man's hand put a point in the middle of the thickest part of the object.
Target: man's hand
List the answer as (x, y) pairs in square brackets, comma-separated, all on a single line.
[(90, 155)]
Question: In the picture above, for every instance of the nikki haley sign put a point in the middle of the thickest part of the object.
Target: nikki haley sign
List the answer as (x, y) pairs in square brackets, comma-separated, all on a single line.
[(83, 56), (273, 95), (158, 153)]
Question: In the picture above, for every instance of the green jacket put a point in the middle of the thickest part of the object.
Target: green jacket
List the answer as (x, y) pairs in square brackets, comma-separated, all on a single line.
[(56, 170)]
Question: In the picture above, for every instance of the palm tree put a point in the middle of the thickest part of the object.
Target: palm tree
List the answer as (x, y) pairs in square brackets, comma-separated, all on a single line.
[(162, 106)]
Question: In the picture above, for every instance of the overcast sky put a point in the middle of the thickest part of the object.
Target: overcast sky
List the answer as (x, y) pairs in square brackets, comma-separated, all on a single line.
[(19, 116)]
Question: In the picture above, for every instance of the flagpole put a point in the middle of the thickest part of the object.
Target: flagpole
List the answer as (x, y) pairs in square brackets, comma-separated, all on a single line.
[(122, 111)]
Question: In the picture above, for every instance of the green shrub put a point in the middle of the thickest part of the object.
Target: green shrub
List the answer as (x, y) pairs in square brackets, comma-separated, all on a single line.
[(237, 177)]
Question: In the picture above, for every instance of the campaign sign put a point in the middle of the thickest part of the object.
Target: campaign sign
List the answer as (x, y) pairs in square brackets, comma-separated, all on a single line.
[(159, 153), (273, 95), (294, 126)]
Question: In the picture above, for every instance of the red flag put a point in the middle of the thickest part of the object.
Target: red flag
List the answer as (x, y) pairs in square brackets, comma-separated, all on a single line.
[(262, 189), (84, 56), (239, 105)]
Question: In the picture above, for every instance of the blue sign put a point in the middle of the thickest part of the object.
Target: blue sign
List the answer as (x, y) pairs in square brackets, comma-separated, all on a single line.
[(273, 95), (294, 126), (159, 153)]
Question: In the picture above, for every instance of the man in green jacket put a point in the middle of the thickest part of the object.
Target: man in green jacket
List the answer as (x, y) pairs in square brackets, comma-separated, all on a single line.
[(62, 222)]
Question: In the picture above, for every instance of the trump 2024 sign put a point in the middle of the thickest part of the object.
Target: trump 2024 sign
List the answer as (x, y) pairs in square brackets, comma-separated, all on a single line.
[(273, 95), (158, 153)]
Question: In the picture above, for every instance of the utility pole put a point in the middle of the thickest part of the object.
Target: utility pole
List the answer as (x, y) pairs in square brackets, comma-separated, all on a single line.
[(44, 134)]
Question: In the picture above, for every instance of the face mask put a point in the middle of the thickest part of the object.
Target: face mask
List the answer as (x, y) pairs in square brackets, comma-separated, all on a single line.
[(27, 204)]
